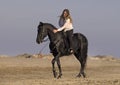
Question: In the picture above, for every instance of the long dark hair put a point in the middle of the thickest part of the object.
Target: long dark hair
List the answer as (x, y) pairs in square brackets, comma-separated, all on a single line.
[(68, 15)]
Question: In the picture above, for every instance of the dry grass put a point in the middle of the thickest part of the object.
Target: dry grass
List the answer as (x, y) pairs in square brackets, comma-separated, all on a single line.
[(38, 71)]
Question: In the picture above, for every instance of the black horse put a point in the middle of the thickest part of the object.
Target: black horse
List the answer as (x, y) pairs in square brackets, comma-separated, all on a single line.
[(59, 46)]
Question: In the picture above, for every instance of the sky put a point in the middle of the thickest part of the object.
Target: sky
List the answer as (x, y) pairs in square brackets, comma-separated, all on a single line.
[(98, 20)]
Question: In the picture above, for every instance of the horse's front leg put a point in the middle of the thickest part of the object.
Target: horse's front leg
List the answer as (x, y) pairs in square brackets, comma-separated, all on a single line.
[(53, 68), (59, 67)]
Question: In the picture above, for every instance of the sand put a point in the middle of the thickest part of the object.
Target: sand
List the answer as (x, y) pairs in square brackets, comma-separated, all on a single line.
[(38, 71)]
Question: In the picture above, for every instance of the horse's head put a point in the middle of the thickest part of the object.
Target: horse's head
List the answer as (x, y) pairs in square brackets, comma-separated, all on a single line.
[(42, 33)]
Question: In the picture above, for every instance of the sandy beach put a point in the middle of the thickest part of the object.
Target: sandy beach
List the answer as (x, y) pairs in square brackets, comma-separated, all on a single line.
[(38, 71)]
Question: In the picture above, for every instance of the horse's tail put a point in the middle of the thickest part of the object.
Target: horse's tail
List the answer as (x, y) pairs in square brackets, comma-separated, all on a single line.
[(83, 47)]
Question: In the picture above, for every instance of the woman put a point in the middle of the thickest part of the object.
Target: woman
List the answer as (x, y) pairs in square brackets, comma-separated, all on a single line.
[(65, 23)]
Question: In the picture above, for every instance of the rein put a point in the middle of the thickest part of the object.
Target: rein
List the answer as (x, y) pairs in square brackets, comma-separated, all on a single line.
[(46, 40), (44, 46)]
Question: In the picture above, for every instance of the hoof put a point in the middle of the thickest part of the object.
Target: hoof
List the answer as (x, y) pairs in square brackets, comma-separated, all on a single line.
[(78, 76), (55, 74), (59, 76), (81, 74)]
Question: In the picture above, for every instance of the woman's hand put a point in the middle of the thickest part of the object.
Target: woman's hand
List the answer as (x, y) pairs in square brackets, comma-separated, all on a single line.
[(55, 31)]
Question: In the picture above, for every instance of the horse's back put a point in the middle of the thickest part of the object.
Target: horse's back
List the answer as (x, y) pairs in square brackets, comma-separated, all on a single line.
[(81, 37)]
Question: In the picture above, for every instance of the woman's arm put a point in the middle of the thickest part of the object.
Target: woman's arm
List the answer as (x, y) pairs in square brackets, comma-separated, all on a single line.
[(65, 25)]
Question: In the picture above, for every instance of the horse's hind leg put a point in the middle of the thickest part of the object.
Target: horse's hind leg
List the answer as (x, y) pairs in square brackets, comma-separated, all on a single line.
[(82, 60), (82, 69)]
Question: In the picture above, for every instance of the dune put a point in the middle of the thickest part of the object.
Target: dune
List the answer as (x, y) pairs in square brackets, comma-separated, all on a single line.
[(4, 56)]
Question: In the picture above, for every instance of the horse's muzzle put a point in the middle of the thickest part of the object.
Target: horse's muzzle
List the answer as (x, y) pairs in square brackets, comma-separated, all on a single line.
[(37, 41)]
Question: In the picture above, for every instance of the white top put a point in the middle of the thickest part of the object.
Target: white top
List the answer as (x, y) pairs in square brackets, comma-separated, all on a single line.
[(67, 26)]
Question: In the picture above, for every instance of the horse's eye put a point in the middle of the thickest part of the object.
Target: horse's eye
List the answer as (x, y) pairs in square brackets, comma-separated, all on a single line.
[(37, 30)]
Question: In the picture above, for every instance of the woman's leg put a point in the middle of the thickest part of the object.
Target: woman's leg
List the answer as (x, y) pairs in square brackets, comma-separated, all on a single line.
[(69, 36)]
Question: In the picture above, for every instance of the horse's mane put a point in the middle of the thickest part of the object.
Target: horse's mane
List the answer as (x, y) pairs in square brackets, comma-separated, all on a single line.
[(52, 26)]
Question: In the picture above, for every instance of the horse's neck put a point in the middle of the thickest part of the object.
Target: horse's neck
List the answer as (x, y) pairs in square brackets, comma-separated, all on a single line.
[(51, 34), (54, 37)]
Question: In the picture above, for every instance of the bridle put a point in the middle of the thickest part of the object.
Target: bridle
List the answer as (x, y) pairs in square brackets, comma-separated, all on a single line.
[(41, 35)]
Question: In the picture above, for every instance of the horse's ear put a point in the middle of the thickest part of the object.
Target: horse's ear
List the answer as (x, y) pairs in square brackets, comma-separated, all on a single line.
[(41, 23)]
